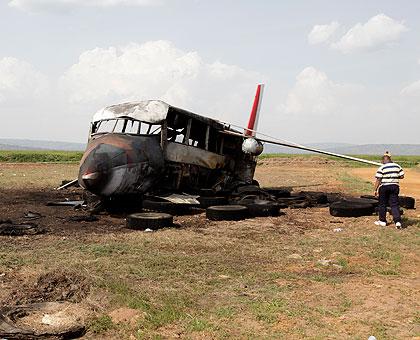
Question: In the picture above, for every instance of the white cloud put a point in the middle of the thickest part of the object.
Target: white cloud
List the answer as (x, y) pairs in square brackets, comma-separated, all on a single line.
[(314, 94), (65, 5), (412, 90), (322, 33), (378, 32), (159, 70), (19, 81)]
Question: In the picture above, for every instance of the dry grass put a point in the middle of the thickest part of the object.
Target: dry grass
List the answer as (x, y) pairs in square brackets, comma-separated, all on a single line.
[(236, 279)]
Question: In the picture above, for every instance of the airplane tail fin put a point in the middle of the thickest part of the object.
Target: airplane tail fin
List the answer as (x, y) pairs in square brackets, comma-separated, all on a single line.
[(255, 112)]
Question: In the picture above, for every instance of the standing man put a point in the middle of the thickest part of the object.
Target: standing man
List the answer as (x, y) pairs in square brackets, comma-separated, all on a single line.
[(387, 186)]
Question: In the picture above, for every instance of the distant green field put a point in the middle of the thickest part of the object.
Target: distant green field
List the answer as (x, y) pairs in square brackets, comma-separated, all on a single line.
[(29, 156), (404, 161)]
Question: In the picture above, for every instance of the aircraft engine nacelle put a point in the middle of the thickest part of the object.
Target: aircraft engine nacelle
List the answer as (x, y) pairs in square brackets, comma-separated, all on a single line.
[(252, 146)]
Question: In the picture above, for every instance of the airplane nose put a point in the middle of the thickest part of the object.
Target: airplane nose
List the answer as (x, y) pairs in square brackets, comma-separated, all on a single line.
[(96, 165)]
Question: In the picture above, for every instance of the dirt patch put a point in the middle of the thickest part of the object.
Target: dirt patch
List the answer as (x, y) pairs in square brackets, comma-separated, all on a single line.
[(126, 315), (410, 185), (52, 286)]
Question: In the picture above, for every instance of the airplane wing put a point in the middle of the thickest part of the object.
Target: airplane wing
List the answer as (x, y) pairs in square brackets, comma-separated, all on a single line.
[(302, 147)]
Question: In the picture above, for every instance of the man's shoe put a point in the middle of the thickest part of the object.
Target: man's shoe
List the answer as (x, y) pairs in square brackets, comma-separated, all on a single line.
[(398, 225), (380, 223)]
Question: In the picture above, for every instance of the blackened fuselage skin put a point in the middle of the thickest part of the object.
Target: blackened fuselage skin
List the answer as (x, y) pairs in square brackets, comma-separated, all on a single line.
[(121, 164)]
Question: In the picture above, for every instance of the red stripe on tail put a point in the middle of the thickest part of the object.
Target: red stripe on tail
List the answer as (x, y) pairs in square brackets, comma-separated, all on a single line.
[(253, 118)]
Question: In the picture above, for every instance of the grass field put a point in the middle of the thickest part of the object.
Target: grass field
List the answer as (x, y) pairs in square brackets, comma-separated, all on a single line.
[(286, 277), (39, 156)]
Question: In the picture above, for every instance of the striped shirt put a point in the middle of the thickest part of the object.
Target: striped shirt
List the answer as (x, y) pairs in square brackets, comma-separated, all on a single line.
[(389, 173)]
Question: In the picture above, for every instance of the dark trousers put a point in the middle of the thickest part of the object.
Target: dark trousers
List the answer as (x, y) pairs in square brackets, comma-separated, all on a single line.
[(388, 194)]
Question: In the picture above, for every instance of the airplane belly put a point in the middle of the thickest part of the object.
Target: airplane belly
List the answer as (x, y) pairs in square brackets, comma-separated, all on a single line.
[(129, 179)]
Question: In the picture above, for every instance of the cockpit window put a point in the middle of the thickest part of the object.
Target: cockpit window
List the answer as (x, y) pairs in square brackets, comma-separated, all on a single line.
[(103, 126), (123, 125)]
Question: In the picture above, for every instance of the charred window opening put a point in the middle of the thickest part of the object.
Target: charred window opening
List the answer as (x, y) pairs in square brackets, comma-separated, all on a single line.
[(187, 130), (176, 135), (230, 145), (214, 141)]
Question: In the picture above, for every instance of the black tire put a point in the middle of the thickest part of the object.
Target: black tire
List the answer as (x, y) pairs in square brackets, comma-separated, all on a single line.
[(278, 192), (351, 209), (152, 220), (164, 206), (248, 189), (407, 202), (301, 205), (291, 200), (13, 229), (371, 197), (315, 197), (356, 200), (262, 208), (334, 197), (227, 212), (206, 202)]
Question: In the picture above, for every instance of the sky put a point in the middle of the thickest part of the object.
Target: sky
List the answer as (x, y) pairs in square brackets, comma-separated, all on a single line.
[(345, 72)]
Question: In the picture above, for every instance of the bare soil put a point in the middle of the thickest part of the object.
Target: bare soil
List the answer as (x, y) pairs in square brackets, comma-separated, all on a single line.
[(409, 186), (288, 277)]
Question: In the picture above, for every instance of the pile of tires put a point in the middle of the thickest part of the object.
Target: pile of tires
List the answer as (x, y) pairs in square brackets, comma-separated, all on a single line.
[(305, 199)]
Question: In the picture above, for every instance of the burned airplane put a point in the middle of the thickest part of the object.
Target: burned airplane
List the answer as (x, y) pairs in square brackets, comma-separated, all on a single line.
[(150, 147)]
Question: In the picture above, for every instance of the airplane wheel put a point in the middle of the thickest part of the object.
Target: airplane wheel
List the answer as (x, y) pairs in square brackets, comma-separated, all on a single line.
[(152, 220), (227, 212), (351, 209), (206, 202)]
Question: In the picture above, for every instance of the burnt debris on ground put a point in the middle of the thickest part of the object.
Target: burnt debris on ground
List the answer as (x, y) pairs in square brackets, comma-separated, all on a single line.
[(10, 228), (46, 309)]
